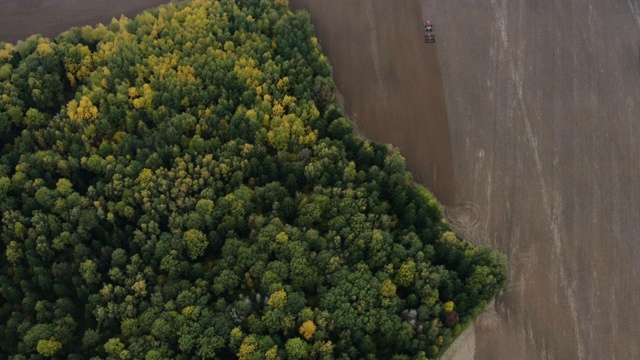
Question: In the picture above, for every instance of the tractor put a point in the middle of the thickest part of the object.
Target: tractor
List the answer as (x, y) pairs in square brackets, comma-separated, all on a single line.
[(428, 32)]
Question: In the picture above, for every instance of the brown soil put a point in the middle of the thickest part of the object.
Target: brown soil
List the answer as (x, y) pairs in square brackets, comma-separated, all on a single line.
[(390, 80), (543, 101), (22, 18)]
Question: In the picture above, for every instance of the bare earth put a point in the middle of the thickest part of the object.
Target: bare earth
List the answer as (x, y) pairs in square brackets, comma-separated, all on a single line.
[(379, 67), (543, 104), (21, 18)]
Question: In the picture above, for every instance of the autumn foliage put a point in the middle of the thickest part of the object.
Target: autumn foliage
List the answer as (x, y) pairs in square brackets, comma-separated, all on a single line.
[(183, 186)]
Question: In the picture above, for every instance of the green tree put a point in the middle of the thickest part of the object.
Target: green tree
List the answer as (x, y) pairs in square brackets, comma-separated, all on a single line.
[(88, 270), (226, 281), (297, 348), (114, 347)]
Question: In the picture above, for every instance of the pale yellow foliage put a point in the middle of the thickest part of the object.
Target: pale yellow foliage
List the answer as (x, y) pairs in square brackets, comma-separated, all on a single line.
[(406, 273), (107, 291), (388, 288), (187, 73), (449, 237), (252, 115), (6, 54), (145, 176), (133, 92), (146, 98), (448, 306), (140, 288), (350, 174), (277, 109), (283, 83), (278, 299), (44, 49), (118, 137), (314, 113), (248, 69), (280, 134), (83, 111), (282, 238), (79, 71), (272, 354), (289, 127), (188, 311), (248, 280), (246, 350), (288, 100), (309, 139), (48, 348), (236, 334), (246, 149)]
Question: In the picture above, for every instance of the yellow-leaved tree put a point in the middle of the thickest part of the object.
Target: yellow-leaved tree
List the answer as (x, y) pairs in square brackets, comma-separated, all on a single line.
[(307, 329), (85, 110), (278, 299), (388, 288), (48, 348), (448, 306)]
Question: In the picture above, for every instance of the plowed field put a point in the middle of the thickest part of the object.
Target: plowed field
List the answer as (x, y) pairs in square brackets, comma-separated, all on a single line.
[(543, 105), (21, 18)]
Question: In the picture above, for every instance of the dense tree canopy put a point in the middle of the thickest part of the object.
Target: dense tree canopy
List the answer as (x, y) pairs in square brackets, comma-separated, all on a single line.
[(181, 186)]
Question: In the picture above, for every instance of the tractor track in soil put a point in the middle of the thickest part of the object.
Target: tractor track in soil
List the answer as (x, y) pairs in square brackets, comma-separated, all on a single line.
[(465, 218)]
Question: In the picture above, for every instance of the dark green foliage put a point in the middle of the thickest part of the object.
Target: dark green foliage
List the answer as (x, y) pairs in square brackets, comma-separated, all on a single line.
[(181, 186)]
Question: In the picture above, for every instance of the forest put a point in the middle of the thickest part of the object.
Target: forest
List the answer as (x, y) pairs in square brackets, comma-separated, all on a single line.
[(183, 186)]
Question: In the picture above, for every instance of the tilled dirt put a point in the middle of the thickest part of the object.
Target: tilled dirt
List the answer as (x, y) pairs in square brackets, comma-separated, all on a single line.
[(21, 18), (390, 80), (543, 103)]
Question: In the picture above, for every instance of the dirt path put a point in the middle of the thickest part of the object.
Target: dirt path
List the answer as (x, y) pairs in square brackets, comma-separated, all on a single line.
[(21, 18), (391, 81), (543, 103)]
